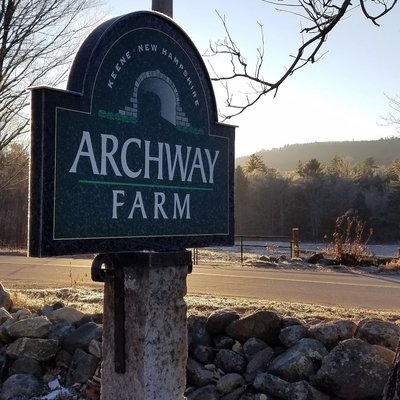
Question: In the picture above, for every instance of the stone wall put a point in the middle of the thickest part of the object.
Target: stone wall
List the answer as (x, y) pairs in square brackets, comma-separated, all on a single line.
[(56, 354)]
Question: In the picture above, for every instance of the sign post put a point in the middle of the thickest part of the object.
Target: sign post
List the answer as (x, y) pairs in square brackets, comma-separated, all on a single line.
[(131, 163)]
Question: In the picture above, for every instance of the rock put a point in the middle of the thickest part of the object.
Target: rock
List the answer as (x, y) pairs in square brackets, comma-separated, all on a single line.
[(63, 359), (271, 385), (331, 333), (203, 354), (83, 367), (20, 387), (259, 363), (197, 332), (237, 346), (66, 314), (229, 382), (234, 395), (38, 349), (3, 364), (46, 310), (95, 348), (26, 366), (230, 361), (223, 342), (292, 334), (5, 299), (315, 258), (300, 361), (4, 336), (290, 321), (60, 331), (353, 370), (256, 396), (219, 320), (82, 336), (208, 392), (37, 327), (4, 315), (264, 325), (197, 375), (375, 331), (253, 346), (386, 353), (22, 313), (304, 391)]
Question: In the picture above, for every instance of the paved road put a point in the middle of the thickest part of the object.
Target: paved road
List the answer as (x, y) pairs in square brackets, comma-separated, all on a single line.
[(325, 288)]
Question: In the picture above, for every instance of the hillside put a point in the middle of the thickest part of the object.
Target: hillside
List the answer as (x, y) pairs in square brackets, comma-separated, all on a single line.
[(384, 151)]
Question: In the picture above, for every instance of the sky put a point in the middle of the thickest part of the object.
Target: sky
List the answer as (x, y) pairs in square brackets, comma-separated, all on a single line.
[(340, 97)]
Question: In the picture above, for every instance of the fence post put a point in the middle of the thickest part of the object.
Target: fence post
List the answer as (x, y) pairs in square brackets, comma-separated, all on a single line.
[(241, 250), (296, 246)]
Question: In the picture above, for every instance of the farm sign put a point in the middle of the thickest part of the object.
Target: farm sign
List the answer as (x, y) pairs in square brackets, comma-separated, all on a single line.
[(130, 156)]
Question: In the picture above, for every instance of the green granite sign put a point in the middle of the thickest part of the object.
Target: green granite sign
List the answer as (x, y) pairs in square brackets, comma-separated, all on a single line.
[(131, 156)]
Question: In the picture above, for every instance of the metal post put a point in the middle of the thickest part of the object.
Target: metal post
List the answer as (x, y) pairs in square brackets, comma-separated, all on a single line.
[(163, 6), (296, 245)]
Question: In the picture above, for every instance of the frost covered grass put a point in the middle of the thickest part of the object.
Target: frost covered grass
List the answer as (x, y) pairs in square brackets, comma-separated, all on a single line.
[(90, 300)]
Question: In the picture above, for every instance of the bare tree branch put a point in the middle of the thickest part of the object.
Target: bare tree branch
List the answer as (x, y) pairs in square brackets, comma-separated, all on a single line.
[(320, 18), (37, 42), (393, 117)]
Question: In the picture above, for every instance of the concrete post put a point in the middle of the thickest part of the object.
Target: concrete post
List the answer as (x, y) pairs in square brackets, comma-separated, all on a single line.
[(163, 6), (155, 332)]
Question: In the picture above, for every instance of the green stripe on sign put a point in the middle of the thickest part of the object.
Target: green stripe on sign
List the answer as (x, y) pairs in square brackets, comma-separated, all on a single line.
[(85, 182)]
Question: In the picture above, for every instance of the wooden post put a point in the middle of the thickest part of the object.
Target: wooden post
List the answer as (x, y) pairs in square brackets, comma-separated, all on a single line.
[(163, 6), (296, 245)]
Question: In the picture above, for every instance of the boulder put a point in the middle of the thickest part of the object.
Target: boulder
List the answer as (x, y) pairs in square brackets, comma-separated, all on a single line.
[(197, 375), (223, 342), (264, 325), (300, 361), (259, 363), (272, 385), (4, 315), (230, 361), (252, 346), (292, 334), (37, 327), (208, 392), (235, 394), (82, 368), (229, 382), (82, 336), (219, 320), (5, 299), (203, 354), (304, 391), (21, 387), (38, 349), (375, 331), (197, 332), (331, 333), (353, 370), (26, 366), (66, 314)]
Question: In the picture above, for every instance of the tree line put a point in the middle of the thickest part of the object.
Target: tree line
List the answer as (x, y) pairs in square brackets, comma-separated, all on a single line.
[(311, 198)]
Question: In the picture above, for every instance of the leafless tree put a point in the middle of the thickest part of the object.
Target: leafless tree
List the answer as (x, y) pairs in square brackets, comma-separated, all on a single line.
[(37, 41), (393, 118), (319, 18)]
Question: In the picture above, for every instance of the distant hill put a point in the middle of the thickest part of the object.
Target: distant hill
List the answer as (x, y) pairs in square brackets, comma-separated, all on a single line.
[(384, 151)]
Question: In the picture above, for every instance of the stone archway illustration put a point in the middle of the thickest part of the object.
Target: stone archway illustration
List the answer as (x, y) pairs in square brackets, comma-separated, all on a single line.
[(162, 86)]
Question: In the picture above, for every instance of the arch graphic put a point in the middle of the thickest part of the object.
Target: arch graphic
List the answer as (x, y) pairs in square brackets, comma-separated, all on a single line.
[(163, 87)]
